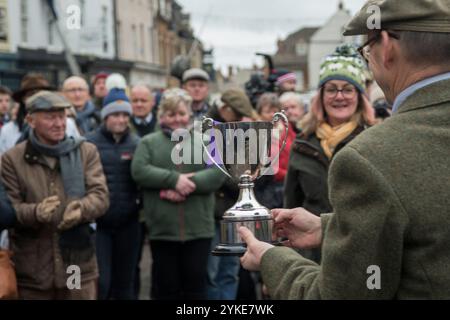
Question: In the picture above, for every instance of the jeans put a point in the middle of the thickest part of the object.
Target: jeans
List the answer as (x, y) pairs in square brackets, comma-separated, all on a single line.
[(223, 279), (117, 256)]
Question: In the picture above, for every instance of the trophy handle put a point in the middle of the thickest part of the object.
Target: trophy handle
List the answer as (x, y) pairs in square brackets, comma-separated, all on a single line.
[(276, 117), (209, 124)]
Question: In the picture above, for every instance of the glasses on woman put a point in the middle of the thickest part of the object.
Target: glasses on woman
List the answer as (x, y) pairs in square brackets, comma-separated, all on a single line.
[(348, 92)]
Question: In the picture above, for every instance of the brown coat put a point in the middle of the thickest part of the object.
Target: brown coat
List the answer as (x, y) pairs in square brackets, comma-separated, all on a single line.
[(29, 179)]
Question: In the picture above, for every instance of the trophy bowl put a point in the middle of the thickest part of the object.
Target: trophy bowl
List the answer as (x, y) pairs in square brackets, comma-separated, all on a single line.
[(242, 151)]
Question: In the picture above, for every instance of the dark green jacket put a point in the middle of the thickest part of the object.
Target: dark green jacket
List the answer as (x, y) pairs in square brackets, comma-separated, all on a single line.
[(153, 169), (306, 180), (390, 190)]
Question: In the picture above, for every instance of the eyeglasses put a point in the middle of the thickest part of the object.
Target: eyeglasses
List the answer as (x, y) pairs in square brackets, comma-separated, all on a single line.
[(348, 92), (364, 50), (73, 90)]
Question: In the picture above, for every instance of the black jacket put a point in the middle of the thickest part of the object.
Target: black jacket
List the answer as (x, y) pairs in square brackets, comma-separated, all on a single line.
[(143, 129), (116, 160)]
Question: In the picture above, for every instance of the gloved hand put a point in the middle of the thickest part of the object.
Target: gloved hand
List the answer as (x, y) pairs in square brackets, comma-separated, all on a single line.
[(71, 216), (47, 208)]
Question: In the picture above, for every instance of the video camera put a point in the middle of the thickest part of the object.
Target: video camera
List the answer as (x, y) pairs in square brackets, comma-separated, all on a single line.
[(259, 84)]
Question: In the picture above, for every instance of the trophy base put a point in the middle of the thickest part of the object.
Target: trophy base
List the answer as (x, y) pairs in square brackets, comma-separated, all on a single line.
[(231, 243), (237, 250), (229, 250)]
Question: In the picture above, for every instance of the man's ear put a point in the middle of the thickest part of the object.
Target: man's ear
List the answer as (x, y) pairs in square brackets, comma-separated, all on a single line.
[(31, 120), (390, 50)]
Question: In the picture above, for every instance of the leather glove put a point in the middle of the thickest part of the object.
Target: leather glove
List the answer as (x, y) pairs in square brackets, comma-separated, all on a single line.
[(71, 216), (47, 209)]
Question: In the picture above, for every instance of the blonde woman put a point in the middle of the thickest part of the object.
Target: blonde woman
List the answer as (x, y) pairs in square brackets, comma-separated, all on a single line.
[(178, 204), (339, 112)]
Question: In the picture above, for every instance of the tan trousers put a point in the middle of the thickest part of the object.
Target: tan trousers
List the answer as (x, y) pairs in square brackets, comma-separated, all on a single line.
[(88, 291)]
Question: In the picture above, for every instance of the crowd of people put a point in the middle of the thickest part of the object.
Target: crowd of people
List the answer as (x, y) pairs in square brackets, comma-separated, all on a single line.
[(87, 179)]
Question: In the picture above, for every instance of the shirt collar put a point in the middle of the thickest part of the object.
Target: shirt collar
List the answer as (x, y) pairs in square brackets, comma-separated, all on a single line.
[(401, 98), (147, 119)]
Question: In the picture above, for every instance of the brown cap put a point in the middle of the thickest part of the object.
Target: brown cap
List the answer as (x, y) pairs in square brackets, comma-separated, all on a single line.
[(30, 84), (239, 102), (46, 101), (411, 15)]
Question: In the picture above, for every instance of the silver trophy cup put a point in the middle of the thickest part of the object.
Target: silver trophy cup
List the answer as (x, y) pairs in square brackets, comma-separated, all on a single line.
[(241, 151)]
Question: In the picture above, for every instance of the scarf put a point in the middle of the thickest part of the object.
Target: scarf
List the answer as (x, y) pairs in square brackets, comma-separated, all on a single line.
[(76, 243), (330, 137), (83, 118)]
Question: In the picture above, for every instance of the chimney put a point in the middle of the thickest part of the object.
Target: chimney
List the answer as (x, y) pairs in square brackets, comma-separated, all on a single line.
[(341, 5), (230, 71)]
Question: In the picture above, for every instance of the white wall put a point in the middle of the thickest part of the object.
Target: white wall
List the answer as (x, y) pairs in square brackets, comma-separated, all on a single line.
[(325, 41), (87, 40)]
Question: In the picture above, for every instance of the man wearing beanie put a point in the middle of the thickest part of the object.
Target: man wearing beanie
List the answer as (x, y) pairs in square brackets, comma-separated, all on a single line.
[(99, 89), (118, 232), (285, 81), (390, 189)]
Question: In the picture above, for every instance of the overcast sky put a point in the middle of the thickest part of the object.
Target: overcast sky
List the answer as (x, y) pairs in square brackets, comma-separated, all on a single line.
[(236, 29)]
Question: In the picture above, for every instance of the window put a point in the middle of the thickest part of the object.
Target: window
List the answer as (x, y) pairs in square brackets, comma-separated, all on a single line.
[(142, 46), (24, 20), (118, 35), (135, 40), (3, 24), (301, 49), (104, 23), (150, 45), (82, 12), (51, 39)]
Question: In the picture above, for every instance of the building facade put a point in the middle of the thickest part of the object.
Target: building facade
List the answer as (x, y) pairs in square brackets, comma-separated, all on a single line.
[(137, 40), (325, 40), (292, 54)]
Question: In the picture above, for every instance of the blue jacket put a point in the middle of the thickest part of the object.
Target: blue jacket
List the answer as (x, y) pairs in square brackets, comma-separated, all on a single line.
[(116, 160), (7, 212)]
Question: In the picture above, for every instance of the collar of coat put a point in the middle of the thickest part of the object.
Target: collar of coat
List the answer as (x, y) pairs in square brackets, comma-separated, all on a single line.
[(310, 146), (433, 94), (108, 135), (32, 156)]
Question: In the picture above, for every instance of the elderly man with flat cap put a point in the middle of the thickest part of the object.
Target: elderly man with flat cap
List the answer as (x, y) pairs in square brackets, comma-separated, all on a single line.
[(57, 187), (388, 237)]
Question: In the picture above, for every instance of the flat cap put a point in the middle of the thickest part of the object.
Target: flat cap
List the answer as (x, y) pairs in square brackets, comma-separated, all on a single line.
[(239, 102), (195, 74), (46, 101), (411, 15)]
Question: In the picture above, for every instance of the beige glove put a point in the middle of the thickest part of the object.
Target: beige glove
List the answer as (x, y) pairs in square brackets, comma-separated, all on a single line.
[(47, 208), (71, 216)]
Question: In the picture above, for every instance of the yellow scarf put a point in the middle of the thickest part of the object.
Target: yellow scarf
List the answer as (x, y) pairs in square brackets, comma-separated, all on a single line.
[(330, 137)]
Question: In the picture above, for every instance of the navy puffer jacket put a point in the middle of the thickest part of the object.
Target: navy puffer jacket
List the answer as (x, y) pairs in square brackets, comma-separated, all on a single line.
[(116, 160)]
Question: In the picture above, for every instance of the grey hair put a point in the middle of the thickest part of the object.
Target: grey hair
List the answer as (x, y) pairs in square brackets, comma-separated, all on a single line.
[(171, 100), (142, 85), (75, 78), (268, 99), (425, 48), (288, 96)]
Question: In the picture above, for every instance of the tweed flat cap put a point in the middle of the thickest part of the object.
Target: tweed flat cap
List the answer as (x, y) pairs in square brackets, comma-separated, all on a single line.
[(46, 101), (411, 15)]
